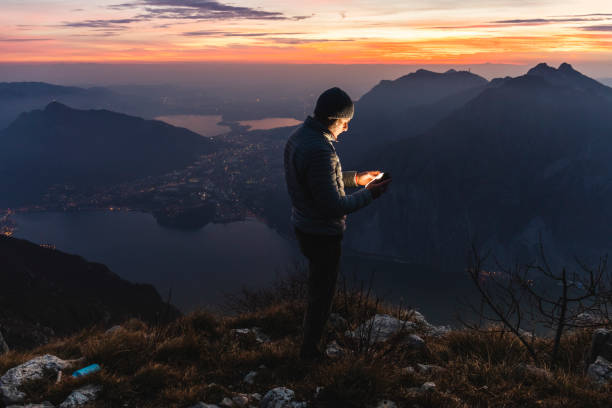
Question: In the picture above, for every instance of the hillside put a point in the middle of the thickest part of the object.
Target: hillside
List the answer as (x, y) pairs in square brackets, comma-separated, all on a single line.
[(46, 293), (18, 97), (404, 108), (87, 148), (528, 157), (241, 360)]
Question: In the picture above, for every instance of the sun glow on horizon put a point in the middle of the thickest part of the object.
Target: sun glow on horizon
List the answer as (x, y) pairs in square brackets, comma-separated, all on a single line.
[(269, 31)]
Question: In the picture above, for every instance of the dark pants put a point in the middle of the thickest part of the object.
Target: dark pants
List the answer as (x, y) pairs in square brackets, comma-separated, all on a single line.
[(323, 253)]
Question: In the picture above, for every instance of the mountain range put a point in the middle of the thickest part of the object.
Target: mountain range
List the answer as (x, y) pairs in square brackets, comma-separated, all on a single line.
[(405, 107), (45, 292), (88, 148), (527, 159)]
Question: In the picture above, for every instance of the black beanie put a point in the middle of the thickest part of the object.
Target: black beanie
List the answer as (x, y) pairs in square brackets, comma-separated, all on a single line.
[(334, 104)]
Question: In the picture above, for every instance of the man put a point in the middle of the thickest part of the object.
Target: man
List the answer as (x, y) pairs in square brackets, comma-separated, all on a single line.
[(316, 182)]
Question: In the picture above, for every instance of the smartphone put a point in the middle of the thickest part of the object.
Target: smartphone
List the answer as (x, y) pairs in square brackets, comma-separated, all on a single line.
[(380, 176)]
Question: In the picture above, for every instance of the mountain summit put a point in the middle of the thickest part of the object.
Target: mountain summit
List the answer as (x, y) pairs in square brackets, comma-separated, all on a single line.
[(87, 148), (567, 76), (405, 107), (529, 156)]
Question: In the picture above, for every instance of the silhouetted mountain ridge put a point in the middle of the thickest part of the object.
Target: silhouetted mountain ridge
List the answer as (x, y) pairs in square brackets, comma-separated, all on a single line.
[(404, 108), (88, 148), (46, 292), (525, 157)]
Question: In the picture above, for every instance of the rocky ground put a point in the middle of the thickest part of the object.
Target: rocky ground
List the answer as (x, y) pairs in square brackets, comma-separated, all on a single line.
[(375, 356)]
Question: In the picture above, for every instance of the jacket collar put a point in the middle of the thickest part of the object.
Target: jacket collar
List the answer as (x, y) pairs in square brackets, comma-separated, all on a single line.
[(318, 126)]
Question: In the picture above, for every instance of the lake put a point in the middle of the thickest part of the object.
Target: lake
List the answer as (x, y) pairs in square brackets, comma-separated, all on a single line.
[(199, 266), (202, 266), (269, 123), (205, 125), (208, 125)]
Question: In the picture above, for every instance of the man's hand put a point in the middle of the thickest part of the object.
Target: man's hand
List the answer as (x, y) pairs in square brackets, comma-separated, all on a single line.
[(377, 187), (365, 177)]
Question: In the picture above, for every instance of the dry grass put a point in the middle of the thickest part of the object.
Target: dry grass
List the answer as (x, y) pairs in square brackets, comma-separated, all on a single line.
[(199, 358)]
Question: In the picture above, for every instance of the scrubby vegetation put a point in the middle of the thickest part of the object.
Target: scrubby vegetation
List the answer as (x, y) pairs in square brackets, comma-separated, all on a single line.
[(199, 357)]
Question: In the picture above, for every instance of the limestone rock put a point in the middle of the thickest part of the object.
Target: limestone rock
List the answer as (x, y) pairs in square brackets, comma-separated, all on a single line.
[(260, 336), (333, 350), (114, 329), (427, 328), (250, 377), (31, 370), (386, 404), (280, 397), (226, 402), (81, 396), (429, 368), (428, 386), (600, 371), (240, 400), (408, 370), (414, 341), (601, 345), (380, 328)]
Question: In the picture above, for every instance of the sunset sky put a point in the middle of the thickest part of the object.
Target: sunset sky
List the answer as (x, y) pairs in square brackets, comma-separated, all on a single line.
[(312, 31)]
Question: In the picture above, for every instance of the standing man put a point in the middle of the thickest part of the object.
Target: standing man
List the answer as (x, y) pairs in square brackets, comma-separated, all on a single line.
[(316, 182)]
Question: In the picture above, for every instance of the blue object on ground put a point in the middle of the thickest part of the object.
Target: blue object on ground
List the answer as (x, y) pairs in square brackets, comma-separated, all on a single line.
[(86, 370)]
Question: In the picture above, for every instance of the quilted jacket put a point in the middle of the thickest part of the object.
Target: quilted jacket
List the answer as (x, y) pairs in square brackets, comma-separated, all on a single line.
[(316, 182)]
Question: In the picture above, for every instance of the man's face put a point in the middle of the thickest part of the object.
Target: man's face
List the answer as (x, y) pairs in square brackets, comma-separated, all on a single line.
[(339, 126)]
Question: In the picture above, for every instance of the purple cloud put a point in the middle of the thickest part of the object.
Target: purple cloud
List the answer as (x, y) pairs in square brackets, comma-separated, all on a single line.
[(597, 28), (201, 10), (205, 33), (114, 23)]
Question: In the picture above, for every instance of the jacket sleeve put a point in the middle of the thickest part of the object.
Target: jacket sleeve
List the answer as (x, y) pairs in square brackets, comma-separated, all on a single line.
[(321, 179), (348, 178)]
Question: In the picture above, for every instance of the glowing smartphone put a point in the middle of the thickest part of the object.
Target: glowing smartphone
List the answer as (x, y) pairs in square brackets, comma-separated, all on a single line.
[(380, 175)]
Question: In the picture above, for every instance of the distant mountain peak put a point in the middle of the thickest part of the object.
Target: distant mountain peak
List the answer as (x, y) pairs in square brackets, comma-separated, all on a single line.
[(541, 69), (451, 71), (565, 67), (56, 107), (567, 76)]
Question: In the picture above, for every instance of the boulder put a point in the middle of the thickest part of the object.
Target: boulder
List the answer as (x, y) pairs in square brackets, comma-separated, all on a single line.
[(380, 328), (281, 397), (407, 370), (386, 404), (241, 400), (260, 336), (601, 345), (428, 386), (114, 329), (250, 377), (31, 370), (414, 341), (81, 396), (426, 327), (333, 350), (227, 403), (429, 368), (600, 371)]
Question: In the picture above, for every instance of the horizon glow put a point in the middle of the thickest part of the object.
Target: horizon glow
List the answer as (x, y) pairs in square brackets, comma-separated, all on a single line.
[(339, 32)]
